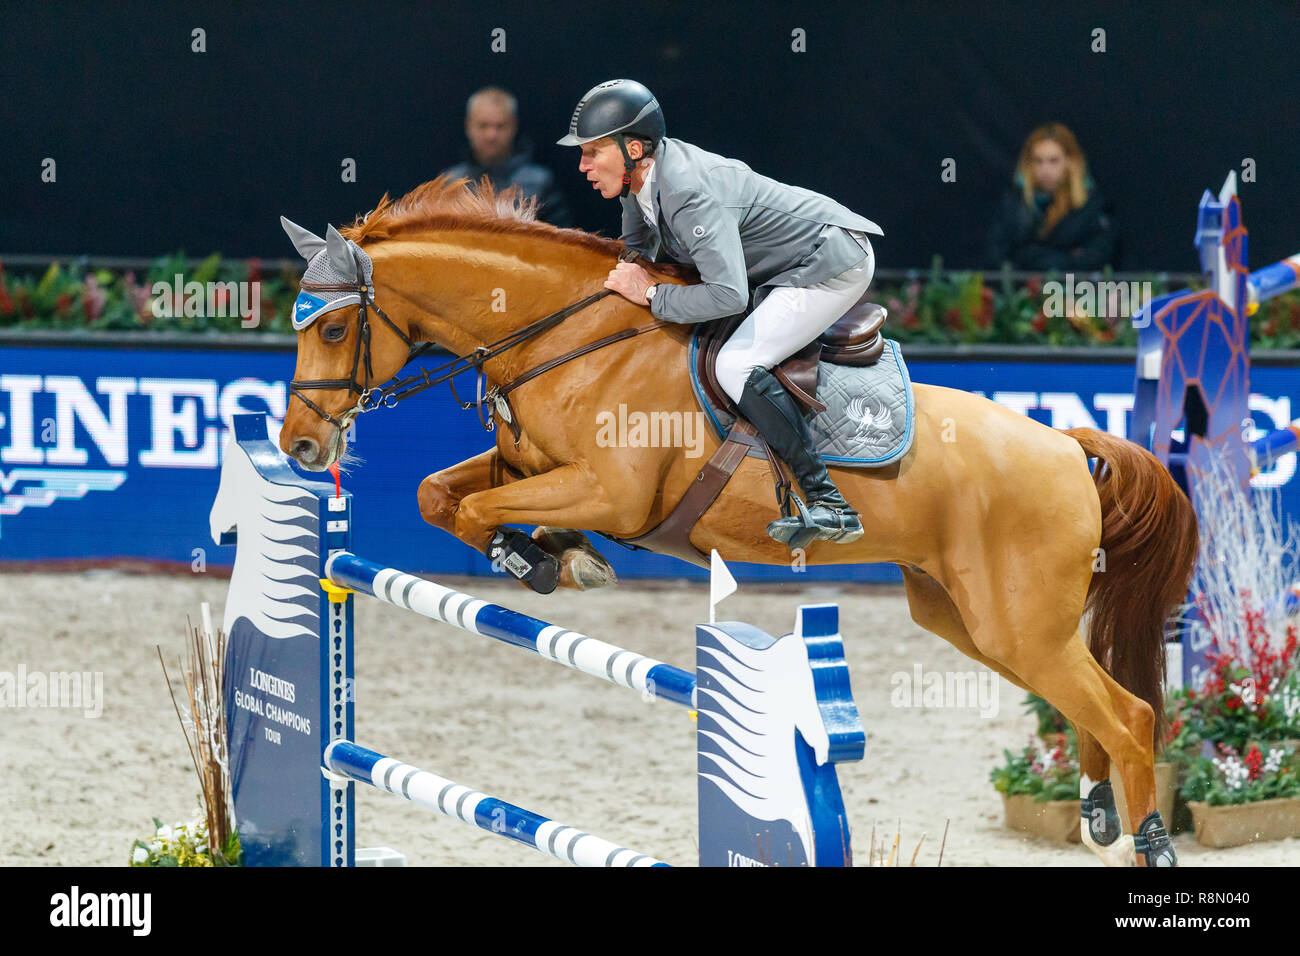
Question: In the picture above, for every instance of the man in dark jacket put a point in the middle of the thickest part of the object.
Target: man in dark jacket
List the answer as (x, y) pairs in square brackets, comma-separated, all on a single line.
[(490, 126)]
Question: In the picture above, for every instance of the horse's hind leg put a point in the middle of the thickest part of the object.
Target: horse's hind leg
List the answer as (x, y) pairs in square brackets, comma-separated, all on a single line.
[(1044, 646), (1100, 824), (933, 609)]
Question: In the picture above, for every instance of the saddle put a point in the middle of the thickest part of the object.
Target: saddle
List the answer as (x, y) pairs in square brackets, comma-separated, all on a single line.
[(855, 339)]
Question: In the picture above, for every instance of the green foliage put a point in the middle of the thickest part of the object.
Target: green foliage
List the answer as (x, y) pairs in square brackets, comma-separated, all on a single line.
[(940, 308), (1045, 775), (1260, 774), (1050, 720), (73, 297), (185, 844)]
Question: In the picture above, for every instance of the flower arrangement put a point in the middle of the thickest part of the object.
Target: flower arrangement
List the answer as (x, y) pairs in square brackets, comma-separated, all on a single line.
[(1235, 734), (1234, 778), (184, 844), (939, 307), (210, 838), (73, 297), (1045, 773)]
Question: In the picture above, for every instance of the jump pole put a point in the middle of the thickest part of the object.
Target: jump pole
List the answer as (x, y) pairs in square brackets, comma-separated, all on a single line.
[(774, 714)]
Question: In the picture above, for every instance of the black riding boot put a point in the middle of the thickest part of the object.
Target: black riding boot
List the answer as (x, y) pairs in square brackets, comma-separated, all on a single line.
[(770, 409)]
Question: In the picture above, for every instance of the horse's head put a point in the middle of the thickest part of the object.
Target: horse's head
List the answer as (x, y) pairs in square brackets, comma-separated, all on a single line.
[(347, 343)]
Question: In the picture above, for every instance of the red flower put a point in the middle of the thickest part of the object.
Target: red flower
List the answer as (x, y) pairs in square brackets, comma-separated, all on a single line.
[(1039, 324), (1254, 761), (1034, 285)]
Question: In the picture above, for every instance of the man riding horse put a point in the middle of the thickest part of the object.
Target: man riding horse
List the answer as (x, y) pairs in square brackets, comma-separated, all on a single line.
[(807, 257)]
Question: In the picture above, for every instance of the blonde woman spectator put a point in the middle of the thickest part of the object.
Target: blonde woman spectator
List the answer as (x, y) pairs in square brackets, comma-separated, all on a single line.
[(1053, 219)]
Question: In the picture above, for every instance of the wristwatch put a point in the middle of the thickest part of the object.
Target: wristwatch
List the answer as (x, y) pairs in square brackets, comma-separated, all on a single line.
[(650, 294)]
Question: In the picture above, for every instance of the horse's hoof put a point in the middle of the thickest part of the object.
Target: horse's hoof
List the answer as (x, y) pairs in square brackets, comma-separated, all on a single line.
[(586, 570)]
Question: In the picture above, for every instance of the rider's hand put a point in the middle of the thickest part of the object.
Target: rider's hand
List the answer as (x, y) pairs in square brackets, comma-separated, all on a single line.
[(630, 281)]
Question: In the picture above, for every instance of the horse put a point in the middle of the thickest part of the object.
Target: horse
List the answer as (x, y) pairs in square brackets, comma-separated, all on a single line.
[(1004, 534)]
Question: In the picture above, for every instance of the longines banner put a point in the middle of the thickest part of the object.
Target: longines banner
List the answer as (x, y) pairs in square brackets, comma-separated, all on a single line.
[(114, 452)]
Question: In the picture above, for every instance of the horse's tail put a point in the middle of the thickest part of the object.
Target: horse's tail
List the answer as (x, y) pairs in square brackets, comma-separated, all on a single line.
[(1149, 540)]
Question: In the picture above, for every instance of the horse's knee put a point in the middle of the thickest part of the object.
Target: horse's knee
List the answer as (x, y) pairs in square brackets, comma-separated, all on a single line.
[(436, 502)]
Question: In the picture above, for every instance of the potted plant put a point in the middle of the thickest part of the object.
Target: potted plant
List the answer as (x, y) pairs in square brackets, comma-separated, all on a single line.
[(1040, 789), (1051, 723), (1236, 740), (1244, 798)]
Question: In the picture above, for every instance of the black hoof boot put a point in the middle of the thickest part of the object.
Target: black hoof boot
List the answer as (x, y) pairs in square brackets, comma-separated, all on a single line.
[(1153, 844), (1100, 815), (517, 553)]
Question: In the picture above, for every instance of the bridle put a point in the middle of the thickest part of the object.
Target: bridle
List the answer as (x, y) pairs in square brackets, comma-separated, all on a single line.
[(399, 389)]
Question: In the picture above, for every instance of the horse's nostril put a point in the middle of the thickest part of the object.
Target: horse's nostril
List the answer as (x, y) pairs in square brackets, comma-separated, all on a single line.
[(304, 448)]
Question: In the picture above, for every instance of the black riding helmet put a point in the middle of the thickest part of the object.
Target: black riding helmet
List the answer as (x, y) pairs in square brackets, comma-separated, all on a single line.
[(617, 108)]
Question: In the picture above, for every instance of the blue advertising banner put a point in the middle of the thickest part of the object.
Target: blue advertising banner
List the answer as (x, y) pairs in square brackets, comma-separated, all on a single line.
[(112, 451)]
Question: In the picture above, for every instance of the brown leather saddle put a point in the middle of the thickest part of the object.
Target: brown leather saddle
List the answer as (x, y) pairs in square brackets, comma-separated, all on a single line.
[(855, 339)]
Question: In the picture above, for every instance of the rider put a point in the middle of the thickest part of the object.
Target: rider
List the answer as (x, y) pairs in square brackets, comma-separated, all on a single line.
[(807, 255)]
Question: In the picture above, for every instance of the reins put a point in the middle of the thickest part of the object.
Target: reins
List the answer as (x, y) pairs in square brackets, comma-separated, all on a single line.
[(400, 389)]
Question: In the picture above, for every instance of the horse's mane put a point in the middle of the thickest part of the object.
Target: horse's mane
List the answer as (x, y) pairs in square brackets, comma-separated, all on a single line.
[(451, 204)]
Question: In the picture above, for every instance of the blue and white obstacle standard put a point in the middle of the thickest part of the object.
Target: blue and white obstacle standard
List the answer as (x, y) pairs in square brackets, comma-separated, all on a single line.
[(775, 714)]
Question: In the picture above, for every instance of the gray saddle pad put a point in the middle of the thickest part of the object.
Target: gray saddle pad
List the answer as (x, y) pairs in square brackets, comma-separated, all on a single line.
[(870, 416)]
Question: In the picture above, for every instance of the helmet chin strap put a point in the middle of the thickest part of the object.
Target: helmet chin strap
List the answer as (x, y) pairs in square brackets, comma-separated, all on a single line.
[(629, 164)]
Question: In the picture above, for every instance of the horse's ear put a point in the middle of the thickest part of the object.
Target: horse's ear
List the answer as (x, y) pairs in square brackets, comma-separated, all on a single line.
[(340, 253), (304, 240)]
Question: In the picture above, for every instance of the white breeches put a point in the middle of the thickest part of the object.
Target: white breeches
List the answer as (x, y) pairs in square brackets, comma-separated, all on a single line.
[(787, 320)]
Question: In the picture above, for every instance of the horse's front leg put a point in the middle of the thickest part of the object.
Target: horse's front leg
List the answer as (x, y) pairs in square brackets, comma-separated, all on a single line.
[(440, 494), (565, 497)]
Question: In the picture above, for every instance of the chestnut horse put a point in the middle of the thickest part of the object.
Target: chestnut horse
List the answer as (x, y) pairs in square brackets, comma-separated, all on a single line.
[(1003, 533)]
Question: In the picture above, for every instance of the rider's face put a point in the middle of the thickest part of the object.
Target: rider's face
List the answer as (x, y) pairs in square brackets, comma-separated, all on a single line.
[(602, 164)]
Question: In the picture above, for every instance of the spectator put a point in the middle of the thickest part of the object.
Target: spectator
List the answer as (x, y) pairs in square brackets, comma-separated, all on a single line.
[(1054, 218), (491, 123)]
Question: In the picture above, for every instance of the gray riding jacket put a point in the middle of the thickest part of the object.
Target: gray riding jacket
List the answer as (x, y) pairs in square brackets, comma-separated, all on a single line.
[(739, 229)]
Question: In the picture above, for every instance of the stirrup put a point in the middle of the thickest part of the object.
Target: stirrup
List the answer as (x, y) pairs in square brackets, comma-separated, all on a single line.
[(801, 530)]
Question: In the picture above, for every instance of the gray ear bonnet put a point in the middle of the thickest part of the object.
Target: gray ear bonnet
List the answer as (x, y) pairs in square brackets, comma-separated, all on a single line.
[(332, 260)]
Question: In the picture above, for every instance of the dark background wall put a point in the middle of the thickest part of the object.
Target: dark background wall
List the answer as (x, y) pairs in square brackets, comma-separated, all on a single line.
[(160, 149)]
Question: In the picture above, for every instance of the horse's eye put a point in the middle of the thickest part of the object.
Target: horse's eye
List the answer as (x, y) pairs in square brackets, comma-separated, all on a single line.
[(334, 333)]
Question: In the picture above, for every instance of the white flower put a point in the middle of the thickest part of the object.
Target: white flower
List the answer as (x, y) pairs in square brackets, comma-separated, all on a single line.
[(165, 833), (1274, 760), (139, 855)]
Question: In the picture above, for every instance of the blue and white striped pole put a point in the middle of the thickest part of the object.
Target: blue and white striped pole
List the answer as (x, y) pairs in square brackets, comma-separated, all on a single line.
[(344, 758), (561, 645)]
